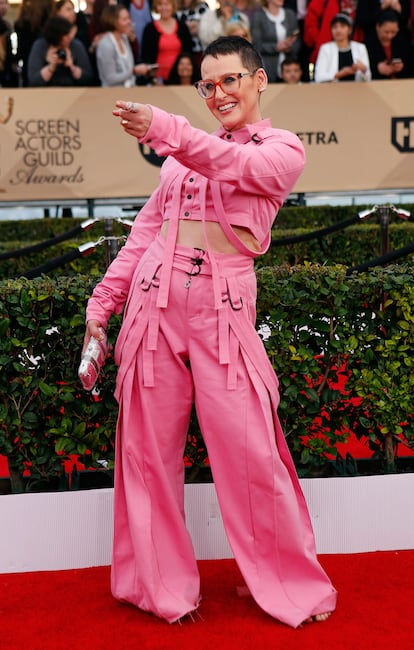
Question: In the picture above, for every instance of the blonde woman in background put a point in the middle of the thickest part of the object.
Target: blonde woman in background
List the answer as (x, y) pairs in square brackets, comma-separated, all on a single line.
[(164, 38), (237, 28)]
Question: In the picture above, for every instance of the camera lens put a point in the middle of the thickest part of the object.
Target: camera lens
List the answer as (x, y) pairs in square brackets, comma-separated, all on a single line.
[(61, 55)]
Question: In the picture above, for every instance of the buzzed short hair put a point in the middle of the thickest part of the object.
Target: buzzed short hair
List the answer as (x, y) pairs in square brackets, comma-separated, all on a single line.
[(225, 45)]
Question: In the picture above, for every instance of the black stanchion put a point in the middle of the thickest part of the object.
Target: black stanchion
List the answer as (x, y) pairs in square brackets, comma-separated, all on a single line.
[(111, 245), (81, 251), (316, 234), (35, 248), (386, 256), (112, 248), (384, 212), (383, 260), (53, 264)]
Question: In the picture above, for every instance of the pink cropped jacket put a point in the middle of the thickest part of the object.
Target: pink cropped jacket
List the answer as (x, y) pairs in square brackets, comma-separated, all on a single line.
[(238, 178)]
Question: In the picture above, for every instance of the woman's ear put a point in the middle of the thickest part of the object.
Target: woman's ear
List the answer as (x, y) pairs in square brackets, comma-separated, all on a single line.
[(262, 80)]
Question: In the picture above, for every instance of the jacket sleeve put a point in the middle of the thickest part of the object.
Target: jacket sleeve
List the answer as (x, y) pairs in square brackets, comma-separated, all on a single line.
[(256, 29), (312, 20), (110, 294), (325, 68), (264, 39), (292, 25), (361, 53), (271, 167)]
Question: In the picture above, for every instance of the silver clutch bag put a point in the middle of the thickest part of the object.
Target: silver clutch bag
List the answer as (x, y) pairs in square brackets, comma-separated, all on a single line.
[(92, 361)]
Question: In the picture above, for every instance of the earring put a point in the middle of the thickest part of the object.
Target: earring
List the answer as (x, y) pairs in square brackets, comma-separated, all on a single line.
[(261, 90)]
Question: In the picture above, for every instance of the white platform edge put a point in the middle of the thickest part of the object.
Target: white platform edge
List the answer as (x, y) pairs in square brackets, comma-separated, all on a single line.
[(71, 530)]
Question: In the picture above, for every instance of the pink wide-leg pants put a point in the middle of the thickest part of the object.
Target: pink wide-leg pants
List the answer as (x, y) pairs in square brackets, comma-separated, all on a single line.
[(168, 358)]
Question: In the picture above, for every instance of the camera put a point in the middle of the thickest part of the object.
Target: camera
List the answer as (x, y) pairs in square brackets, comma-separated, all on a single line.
[(61, 55)]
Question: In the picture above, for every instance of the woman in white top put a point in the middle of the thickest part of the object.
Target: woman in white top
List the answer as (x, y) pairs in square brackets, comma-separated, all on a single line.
[(114, 57), (342, 59)]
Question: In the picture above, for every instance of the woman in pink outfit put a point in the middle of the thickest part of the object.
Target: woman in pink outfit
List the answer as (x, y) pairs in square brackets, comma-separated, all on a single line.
[(186, 280)]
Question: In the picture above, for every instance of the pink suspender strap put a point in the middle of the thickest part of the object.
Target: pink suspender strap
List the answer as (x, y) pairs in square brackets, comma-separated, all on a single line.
[(228, 230), (166, 269), (215, 276)]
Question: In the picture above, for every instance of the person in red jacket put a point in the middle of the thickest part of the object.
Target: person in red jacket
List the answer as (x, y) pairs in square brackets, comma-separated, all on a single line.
[(317, 26)]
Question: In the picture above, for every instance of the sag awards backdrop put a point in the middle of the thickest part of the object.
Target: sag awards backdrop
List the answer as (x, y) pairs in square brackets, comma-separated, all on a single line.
[(59, 143)]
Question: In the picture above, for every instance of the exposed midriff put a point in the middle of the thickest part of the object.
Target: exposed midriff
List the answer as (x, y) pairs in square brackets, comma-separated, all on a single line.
[(191, 233)]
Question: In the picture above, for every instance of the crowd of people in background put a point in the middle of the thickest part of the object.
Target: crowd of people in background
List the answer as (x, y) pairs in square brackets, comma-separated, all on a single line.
[(146, 42)]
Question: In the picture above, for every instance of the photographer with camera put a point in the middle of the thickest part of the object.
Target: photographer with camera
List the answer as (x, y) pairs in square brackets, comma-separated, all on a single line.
[(58, 58)]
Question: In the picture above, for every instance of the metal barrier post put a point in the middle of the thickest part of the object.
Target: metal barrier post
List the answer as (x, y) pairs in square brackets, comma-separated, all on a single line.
[(111, 245), (384, 211), (91, 206)]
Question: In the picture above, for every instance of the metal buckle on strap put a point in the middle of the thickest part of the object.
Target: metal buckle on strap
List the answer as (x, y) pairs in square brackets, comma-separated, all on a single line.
[(236, 306), (196, 262), (154, 282)]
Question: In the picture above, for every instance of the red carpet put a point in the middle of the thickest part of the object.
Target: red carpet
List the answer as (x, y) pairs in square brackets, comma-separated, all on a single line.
[(69, 610)]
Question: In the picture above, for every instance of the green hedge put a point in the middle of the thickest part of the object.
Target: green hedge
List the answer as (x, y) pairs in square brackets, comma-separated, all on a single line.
[(91, 264), (319, 327), (352, 246), (34, 230), (323, 329), (307, 217), (20, 235), (319, 216), (45, 414)]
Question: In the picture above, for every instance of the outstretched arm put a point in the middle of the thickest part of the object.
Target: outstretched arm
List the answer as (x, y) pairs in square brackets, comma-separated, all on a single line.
[(270, 168)]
